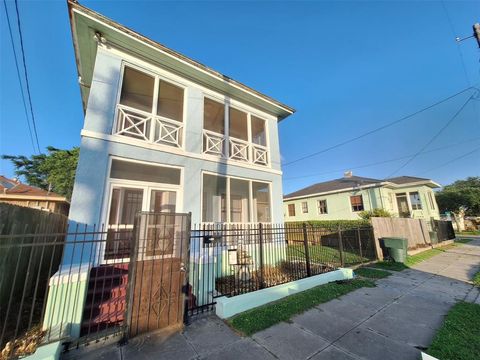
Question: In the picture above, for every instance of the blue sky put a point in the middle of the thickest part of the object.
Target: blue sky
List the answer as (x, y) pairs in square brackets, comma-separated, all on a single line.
[(347, 67)]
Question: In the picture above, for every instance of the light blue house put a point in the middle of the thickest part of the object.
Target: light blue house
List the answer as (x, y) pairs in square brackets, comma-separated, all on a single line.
[(162, 134)]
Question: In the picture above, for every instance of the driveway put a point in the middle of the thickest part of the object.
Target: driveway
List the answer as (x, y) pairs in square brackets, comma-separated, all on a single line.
[(395, 320)]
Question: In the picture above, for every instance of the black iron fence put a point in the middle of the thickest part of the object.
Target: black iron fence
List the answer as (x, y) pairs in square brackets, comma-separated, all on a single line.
[(229, 260), (92, 282), (444, 230)]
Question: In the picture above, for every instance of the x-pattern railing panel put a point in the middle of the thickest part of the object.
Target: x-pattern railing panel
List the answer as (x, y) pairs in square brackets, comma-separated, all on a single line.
[(260, 155), (168, 132), (213, 143), (239, 150), (133, 123)]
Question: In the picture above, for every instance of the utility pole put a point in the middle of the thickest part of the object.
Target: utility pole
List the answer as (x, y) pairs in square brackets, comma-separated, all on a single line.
[(476, 33)]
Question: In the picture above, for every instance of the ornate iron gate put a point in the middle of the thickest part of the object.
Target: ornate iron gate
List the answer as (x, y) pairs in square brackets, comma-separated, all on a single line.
[(158, 272)]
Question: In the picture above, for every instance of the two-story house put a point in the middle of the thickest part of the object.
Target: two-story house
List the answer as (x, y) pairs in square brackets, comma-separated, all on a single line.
[(345, 198), (163, 132)]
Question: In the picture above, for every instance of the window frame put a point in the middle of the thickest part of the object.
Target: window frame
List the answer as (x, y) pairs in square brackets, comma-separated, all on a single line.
[(252, 214), (418, 203), (291, 207), (319, 208), (304, 207), (157, 77), (352, 206), (431, 198)]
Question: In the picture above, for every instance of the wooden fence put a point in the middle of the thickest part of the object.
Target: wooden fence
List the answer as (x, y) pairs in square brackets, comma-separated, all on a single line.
[(21, 265), (414, 230)]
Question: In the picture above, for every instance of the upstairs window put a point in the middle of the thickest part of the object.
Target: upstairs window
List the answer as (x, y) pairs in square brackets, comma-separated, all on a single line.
[(258, 131), (142, 117), (291, 209), (415, 201), (238, 124), (432, 202), (322, 207), (356, 203), (137, 90), (213, 116), (304, 207)]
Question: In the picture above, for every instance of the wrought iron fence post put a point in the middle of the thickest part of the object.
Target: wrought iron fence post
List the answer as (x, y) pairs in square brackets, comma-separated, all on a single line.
[(188, 229), (260, 237), (340, 247), (307, 253), (360, 244)]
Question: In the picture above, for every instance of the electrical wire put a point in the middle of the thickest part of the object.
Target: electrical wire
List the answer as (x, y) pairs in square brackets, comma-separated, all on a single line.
[(383, 161), (453, 160), (26, 76), (379, 128), (19, 77), (434, 137)]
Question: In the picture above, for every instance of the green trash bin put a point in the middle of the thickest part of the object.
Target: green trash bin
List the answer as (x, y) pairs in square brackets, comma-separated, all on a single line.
[(397, 248), (433, 237)]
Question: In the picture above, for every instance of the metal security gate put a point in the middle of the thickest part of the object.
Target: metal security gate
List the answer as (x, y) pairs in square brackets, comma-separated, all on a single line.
[(158, 272)]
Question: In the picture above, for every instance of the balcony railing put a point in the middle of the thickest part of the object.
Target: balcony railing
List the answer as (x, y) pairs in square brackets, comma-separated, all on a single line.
[(145, 126), (237, 149)]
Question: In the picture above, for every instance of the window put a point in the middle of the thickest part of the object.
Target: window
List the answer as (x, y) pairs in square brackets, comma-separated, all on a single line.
[(432, 201), (141, 117), (304, 207), (357, 202), (261, 202), (213, 116), (239, 197), (258, 131), (322, 207), (291, 209), (238, 124), (141, 172), (415, 201), (170, 101)]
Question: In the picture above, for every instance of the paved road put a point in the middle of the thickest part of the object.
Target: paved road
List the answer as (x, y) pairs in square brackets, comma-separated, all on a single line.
[(394, 320)]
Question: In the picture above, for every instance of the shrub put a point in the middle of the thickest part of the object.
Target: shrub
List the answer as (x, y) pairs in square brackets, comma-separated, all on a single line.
[(332, 224), (367, 214)]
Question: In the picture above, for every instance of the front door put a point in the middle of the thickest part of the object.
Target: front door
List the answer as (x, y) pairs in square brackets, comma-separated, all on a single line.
[(402, 204)]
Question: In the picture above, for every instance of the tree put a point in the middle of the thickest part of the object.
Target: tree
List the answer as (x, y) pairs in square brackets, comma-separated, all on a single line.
[(54, 171), (462, 194)]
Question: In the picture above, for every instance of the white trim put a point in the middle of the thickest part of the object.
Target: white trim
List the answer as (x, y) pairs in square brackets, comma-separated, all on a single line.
[(170, 149), (217, 77)]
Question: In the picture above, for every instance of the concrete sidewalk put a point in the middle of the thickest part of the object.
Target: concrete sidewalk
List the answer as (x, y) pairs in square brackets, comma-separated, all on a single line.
[(394, 320)]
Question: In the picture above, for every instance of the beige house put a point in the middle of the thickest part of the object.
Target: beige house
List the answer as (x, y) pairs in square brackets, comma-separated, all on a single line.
[(345, 198), (13, 192)]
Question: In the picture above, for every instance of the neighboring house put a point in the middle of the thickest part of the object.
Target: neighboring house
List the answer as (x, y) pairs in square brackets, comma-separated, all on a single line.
[(165, 133), (403, 196), (12, 191)]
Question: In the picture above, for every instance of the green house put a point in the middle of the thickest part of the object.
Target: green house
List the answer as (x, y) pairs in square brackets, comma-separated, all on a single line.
[(345, 198)]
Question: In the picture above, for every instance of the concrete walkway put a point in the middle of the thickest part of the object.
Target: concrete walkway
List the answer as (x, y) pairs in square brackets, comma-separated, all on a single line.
[(394, 320)]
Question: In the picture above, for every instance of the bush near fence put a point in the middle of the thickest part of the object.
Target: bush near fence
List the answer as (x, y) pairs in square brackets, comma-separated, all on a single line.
[(23, 267)]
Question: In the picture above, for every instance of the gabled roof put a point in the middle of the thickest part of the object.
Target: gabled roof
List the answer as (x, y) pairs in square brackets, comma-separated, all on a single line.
[(358, 182), (14, 188), (345, 183), (85, 23)]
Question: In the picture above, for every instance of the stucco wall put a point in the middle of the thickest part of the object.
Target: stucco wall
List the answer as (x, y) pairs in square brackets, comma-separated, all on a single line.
[(88, 199)]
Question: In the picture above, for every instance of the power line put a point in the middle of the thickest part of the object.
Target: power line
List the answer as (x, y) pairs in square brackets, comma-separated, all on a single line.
[(434, 137), (26, 75), (379, 128), (453, 160), (18, 76), (381, 162)]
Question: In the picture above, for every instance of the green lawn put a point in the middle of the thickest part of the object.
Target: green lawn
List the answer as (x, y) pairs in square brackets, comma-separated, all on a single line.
[(415, 259), (372, 273), (263, 317), (477, 232), (324, 254), (459, 336), (476, 279), (463, 241)]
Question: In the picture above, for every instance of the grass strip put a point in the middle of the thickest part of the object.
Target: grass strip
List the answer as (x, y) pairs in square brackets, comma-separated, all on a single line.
[(251, 321), (372, 273), (459, 336), (415, 259), (475, 232), (476, 279), (463, 241)]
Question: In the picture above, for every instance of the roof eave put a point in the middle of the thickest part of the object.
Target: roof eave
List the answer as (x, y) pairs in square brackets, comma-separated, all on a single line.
[(214, 79)]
